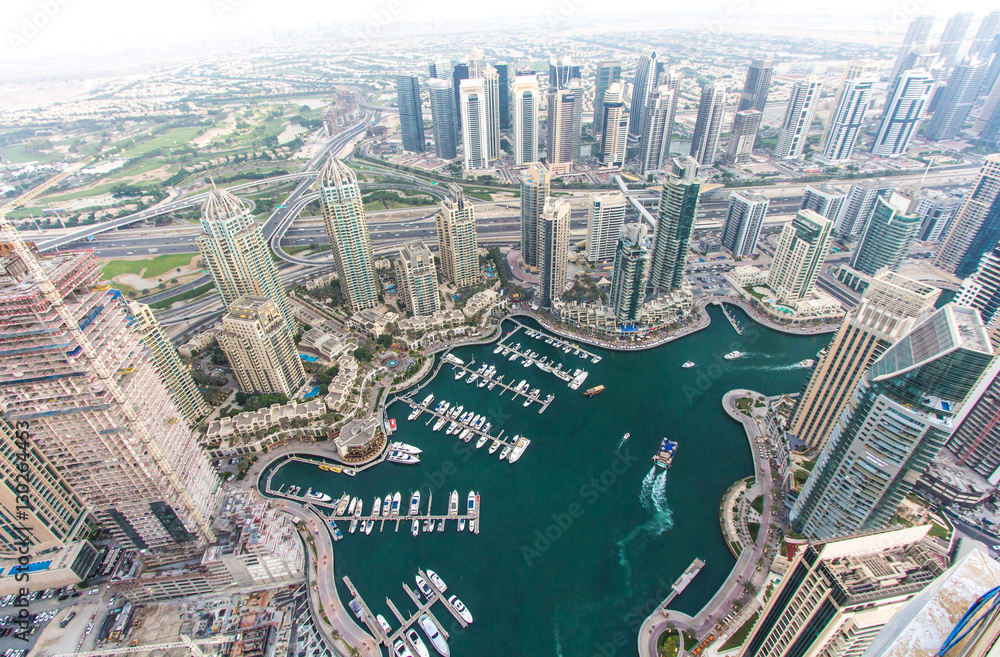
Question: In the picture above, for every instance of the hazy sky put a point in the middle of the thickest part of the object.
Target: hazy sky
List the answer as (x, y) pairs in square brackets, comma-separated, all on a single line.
[(34, 29)]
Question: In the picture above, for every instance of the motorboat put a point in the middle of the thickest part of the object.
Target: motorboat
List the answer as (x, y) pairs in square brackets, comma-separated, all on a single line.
[(386, 506), (505, 453), (435, 579), (418, 643), (459, 373), (494, 446), (732, 355), (486, 427), (396, 498), (415, 527), (354, 525), (688, 364), (473, 501), (430, 630), (808, 362), (520, 444), (377, 507), (461, 524), (369, 524), (336, 531), (359, 508), (401, 457), (482, 441), (439, 423), (457, 412), (427, 400), (578, 380), (353, 505), (480, 421), (415, 503), (317, 496), (513, 356), (452, 426), (497, 350), (415, 414), (465, 433), (400, 649), (460, 608), (472, 377), (406, 449), (384, 624), (356, 608), (342, 504), (440, 525), (453, 503), (482, 382), (424, 588)]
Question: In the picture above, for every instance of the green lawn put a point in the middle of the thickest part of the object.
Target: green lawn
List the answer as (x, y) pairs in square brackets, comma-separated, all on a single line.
[(154, 266), (169, 139), (190, 294), (19, 153), (740, 636)]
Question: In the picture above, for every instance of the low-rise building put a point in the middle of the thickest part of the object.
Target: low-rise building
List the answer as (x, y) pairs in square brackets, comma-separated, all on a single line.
[(361, 440), (340, 386), (746, 276), (485, 302), (373, 322), (326, 341), (947, 482), (200, 342), (276, 415), (63, 566)]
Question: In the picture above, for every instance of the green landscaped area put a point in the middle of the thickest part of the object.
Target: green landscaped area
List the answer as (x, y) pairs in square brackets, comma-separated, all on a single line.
[(668, 645), (184, 296), (743, 403), (169, 139), (739, 637), (154, 267)]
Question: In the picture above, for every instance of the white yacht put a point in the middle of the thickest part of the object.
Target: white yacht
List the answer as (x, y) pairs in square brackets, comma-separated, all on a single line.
[(418, 643), (505, 453), (427, 400), (434, 578), (494, 446), (482, 441), (520, 444), (453, 503), (432, 633), (460, 608), (396, 499), (415, 503), (406, 449), (732, 355)]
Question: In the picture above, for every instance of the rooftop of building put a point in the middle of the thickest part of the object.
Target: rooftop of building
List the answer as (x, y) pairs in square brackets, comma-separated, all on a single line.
[(946, 469), (220, 205), (56, 266), (415, 252), (336, 174)]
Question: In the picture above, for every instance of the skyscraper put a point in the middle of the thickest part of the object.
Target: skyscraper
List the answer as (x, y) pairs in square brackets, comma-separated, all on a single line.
[(936, 210), (458, 241), (976, 439), (628, 279), (614, 127), (347, 228), (858, 207), (477, 63), (553, 243), (99, 413), (743, 136), (916, 36), (183, 390), (56, 515), (987, 126), (260, 348), (956, 100), (744, 219), (899, 417), (904, 109), (755, 87), (708, 126), (976, 229), (607, 73), (491, 84), (443, 119), (535, 183), (440, 69), (794, 129), (605, 216), (824, 199), (954, 34), (981, 291), (475, 124), (838, 594), (988, 29), (525, 119), (654, 149), (797, 262), (674, 225), (642, 86), (561, 71), (235, 253), (411, 115), (887, 237), (458, 73), (417, 279), (888, 309), (503, 84), (848, 116), (565, 122)]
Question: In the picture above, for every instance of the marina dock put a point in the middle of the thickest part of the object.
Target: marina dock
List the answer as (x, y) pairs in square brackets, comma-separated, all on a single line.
[(476, 432), (498, 382), (732, 320), (423, 607), (686, 577), (567, 346)]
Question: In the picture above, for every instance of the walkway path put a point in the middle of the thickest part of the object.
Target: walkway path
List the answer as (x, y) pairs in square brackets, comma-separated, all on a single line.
[(752, 566)]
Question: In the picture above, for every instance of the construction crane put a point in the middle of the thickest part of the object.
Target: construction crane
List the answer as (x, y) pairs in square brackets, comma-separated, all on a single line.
[(185, 642), (55, 299)]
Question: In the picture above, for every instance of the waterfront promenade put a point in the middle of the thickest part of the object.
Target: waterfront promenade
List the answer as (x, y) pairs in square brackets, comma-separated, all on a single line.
[(752, 566)]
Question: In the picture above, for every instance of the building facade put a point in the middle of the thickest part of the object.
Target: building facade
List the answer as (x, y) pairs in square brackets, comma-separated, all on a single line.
[(799, 111), (642, 87), (858, 207), (708, 125), (614, 131), (847, 119), (976, 439), (797, 262), (825, 200), (887, 237), (416, 278), (553, 243), (606, 74), (535, 183), (654, 148), (411, 114), (957, 99), (628, 281), (474, 107), (458, 242), (525, 119), (743, 136), (675, 224), (976, 229), (756, 85), (565, 122), (260, 348), (904, 110), (347, 227), (605, 217), (443, 123), (744, 219)]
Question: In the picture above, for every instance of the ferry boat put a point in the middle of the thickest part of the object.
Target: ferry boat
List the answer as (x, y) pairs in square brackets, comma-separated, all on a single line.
[(520, 444), (316, 496), (342, 504), (505, 453), (418, 643), (432, 633), (415, 503), (732, 355), (665, 456), (396, 499), (460, 608), (453, 503), (688, 364), (427, 400), (578, 380), (433, 577), (415, 527), (808, 362), (596, 390), (482, 441), (406, 449), (415, 414), (336, 531)]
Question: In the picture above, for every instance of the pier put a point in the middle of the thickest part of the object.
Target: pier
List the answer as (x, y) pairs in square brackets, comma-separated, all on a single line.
[(682, 582), (732, 320), (445, 416), (423, 607), (510, 388), (567, 346)]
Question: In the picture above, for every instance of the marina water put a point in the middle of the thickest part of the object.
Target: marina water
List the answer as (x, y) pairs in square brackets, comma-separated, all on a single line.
[(582, 537)]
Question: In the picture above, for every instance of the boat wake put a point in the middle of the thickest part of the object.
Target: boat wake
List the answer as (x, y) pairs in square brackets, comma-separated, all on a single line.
[(652, 496), (555, 623), (621, 442)]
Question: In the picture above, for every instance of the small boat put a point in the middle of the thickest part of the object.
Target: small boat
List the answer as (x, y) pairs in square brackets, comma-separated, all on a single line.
[(482, 441), (386, 506), (808, 362), (465, 433), (457, 412), (431, 632), (527, 402), (461, 524), (460, 608), (400, 649), (520, 385), (519, 448), (472, 377), (400, 457), (505, 453), (494, 446), (376, 507), (415, 527), (354, 505), (384, 624), (626, 437), (422, 585), (336, 531), (418, 643), (665, 456), (527, 362), (437, 581), (428, 525), (369, 524), (453, 503), (415, 503), (427, 400), (472, 503), (513, 356), (482, 382), (406, 449), (732, 355), (486, 427), (459, 373), (596, 390), (392, 425), (358, 509), (415, 414), (354, 525), (316, 496), (452, 426), (440, 525), (688, 364), (395, 503), (497, 350), (479, 422), (342, 504), (439, 423)]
